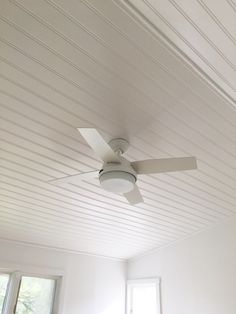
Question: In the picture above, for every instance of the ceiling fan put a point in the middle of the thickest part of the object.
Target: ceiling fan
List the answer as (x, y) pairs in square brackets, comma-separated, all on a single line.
[(118, 175)]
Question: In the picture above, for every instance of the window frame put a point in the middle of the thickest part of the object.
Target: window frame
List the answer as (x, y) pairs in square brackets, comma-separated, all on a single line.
[(4, 272), (130, 284), (13, 289)]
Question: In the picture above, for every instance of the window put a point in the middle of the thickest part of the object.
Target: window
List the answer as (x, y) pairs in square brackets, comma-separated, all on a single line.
[(27, 294), (143, 296), (4, 279)]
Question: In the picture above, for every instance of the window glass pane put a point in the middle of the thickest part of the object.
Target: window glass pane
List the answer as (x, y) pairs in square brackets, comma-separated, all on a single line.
[(35, 296), (4, 278), (144, 299)]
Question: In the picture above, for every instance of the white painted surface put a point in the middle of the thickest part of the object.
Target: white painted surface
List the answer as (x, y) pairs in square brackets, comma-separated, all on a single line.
[(198, 275), (204, 30), (90, 285), (66, 64)]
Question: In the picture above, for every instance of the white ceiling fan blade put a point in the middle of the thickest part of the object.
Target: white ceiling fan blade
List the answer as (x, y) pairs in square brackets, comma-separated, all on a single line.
[(164, 165), (98, 144), (75, 178), (134, 196)]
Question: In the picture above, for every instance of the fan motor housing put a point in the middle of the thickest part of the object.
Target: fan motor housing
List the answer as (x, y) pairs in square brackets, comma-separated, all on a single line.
[(118, 178)]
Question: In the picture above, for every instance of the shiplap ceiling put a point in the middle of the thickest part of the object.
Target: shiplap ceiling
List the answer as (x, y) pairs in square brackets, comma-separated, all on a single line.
[(203, 30), (68, 64)]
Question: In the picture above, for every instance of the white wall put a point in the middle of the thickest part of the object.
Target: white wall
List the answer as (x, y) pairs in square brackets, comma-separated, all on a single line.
[(198, 274), (91, 285)]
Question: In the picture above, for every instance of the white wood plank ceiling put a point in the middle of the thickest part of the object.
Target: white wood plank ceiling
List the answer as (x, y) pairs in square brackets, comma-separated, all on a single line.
[(204, 30), (69, 63)]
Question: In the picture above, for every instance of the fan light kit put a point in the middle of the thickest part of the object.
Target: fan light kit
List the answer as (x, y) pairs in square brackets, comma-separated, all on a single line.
[(117, 181), (118, 175)]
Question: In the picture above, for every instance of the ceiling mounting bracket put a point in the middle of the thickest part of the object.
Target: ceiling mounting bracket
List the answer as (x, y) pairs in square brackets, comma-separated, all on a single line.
[(119, 145)]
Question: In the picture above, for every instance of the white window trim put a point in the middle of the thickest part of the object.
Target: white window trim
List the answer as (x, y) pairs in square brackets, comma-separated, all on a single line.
[(11, 267), (134, 282), (14, 286)]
